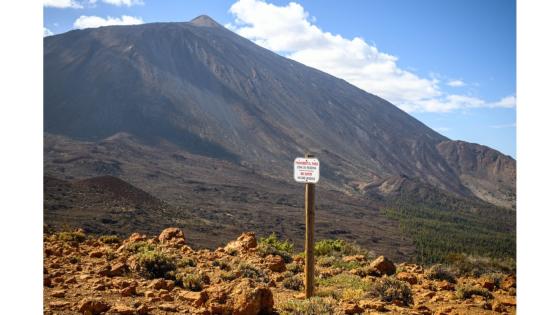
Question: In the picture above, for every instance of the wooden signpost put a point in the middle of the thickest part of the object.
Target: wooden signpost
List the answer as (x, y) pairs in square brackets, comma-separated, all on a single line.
[(306, 170)]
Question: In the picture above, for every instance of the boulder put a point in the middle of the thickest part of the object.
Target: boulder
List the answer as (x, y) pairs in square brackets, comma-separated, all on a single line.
[(508, 283), (194, 298), (168, 307), (59, 304), (353, 258), (172, 235), (275, 263), (407, 277), (243, 243), (240, 297), (92, 306), (383, 265), (123, 309)]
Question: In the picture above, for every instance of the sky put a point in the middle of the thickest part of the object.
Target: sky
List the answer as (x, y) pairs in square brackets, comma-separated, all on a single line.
[(450, 64)]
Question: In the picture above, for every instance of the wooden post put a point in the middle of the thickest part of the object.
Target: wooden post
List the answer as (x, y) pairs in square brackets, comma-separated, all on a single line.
[(309, 237)]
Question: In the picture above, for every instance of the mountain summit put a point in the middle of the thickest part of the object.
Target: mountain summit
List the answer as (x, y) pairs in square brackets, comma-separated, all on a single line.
[(199, 87)]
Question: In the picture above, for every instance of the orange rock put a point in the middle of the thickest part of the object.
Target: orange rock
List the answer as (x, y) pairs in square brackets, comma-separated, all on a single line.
[(508, 282), (96, 254), (275, 263), (58, 293), (351, 308), (372, 305), (123, 309), (92, 306), (59, 304), (353, 258), (168, 307), (383, 265), (194, 298), (408, 277), (244, 242), (174, 235)]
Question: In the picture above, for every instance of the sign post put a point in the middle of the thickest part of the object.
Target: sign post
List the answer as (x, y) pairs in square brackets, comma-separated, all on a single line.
[(306, 170)]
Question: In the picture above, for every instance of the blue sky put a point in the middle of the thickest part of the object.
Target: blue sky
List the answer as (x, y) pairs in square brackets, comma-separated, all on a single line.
[(450, 64)]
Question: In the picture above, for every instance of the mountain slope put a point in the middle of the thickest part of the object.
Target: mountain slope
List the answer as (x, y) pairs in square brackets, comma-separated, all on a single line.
[(210, 92)]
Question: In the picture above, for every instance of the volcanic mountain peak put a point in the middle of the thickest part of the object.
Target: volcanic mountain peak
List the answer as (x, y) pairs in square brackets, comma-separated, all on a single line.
[(204, 20)]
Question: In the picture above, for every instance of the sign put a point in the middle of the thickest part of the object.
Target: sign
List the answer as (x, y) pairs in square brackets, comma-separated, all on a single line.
[(306, 170)]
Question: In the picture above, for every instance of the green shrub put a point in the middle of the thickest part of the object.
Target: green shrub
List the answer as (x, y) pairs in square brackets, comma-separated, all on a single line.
[(155, 264), (109, 239), (192, 281), (221, 264), (74, 236), (437, 272), (228, 275), (390, 289), (326, 261), (294, 267), (246, 270), (273, 241), (477, 265), (466, 291), (186, 262), (265, 249), (337, 247), (344, 281), (139, 247), (293, 283), (312, 306)]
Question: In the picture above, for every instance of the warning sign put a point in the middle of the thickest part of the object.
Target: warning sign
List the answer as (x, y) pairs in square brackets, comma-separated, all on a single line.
[(306, 170)]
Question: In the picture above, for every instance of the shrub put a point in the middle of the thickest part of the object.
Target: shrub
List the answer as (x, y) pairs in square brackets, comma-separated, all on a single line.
[(140, 247), (249, 271), (155, 264), (337, 247), (344, 281), (326, 261), (495, 277), (186, 262), (273, 241), (72, 236), (293, 283), (228, 275), (353, 294), (437, 272), (221, 264), (192, 281), (466, 291), (390, 289), (109, 239), (478, 265), (264, 250), (231, 251), (312, 306), (294, 267)]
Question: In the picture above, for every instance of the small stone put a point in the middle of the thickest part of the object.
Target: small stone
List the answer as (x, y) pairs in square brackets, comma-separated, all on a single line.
[(92, 306), (383, 265), (96, 254), (123, 309), (168, 307), (194, 298), (58, 293), (275, 263), (128, 291), (408, 277), (59, 304)]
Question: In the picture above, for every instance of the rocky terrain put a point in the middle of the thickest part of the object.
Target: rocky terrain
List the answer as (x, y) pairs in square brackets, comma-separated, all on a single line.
[(163, 274)]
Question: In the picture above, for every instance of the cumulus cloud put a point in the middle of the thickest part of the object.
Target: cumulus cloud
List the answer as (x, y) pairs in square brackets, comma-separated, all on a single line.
[(121, 3), (290, 31), (456, 83), (62, 4), (46, 32), (96, 21)]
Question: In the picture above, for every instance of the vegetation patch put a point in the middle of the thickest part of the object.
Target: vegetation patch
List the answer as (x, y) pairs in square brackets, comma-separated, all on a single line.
[(466, 291), (109, 239), (471, 265), (72, 236), (390, 289), (312, 306), (438, 272), (139, 247), (344, 281), (192, 281), (337, 248), (271, 245), (246, 270), (439, 229), (293, 283), (155, 264)]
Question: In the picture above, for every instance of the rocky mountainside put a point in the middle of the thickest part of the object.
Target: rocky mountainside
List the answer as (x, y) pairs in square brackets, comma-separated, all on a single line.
[(202, 90), (164, 275)]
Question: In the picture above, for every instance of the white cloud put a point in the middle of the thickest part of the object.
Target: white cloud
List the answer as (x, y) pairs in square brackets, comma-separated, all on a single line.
[(456, 83), (46, 32), (96, 21), (289, 30), (512, 125), (121, 3), (62, 4)]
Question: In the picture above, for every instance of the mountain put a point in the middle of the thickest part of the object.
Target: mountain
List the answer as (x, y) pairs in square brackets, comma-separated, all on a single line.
[(201, 87)]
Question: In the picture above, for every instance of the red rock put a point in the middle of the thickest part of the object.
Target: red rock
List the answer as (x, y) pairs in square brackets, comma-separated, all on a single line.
[(59, 304), (168, 307), (353, 258), (171, 235), (351, 308), (275, 263), (128, 291), (508, 282), (117, 269), (194, 298), (383, 265), (92, 306), (123, 309), (58, 293), (243, 243), (408, 277)]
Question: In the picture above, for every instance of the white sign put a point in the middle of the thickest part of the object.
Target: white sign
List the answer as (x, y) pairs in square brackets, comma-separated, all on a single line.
[(306, 170)]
